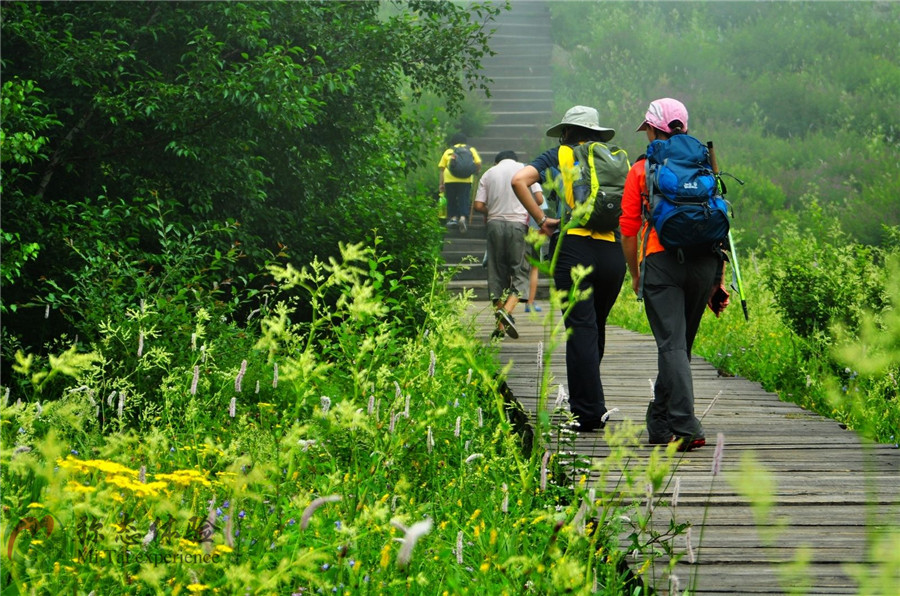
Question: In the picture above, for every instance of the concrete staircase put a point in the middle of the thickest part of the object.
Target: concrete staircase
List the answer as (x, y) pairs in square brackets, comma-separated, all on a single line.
[(521, 104)]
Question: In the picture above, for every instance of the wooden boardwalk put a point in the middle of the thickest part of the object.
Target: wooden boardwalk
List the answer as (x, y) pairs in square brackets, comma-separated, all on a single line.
[(831, 495)]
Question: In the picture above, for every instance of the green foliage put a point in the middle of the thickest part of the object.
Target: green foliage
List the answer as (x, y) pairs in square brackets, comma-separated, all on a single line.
[(333, 451), (281, 122), (801, 113), (821, 278)]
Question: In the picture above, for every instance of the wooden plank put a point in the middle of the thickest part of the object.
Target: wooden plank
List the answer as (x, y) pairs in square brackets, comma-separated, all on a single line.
[(832, 491)]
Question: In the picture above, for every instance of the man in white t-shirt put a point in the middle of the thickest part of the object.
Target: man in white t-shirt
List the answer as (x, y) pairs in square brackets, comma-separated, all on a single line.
[(507, 222)]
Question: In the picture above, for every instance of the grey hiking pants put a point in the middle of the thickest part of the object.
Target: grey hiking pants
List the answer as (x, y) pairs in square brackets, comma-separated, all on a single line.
[(676, 292)]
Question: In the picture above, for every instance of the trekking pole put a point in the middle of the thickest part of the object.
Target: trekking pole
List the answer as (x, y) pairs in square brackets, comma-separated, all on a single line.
[(735, 268)]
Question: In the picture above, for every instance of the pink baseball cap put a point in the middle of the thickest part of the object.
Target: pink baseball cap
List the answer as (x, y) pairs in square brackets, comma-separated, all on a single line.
[(662, 112)]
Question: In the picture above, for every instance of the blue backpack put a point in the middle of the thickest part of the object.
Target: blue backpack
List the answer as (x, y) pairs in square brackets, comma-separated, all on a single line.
[(685, 205)]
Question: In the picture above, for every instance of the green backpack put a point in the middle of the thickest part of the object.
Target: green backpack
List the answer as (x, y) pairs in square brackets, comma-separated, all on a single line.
[(593, 175)]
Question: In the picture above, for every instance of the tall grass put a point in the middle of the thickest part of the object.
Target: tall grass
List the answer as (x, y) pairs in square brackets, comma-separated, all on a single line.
[(340, 452)]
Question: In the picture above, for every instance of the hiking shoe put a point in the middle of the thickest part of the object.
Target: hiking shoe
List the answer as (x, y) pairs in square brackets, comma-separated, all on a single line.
[(659, 440), (688, 444), (462, 225), (451, 222), (532, 307), (508, 323)]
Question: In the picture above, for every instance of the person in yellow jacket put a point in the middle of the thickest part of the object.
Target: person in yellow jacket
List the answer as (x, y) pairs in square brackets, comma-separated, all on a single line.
[(457, 189)]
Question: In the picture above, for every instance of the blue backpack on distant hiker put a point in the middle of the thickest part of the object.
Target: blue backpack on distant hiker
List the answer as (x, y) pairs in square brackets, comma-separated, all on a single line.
[(685, 203)]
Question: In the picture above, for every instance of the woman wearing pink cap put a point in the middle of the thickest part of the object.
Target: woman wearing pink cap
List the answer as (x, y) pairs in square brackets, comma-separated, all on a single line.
[(676, 289)]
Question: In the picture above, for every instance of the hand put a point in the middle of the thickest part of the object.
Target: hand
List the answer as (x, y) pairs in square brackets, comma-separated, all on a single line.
[(636, 283), (549, 226), (719, 300)]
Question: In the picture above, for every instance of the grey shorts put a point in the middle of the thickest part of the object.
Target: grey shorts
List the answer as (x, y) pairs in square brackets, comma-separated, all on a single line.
[(508, 268)]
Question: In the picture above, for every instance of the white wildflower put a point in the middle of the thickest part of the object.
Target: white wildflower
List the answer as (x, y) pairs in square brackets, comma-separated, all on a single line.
[(717, 455), (311, 508), (429, 440), (121, 407), (690, 547), (504, 506), (544, 461), (480, 415), (560, 398), (240, 376), (469, 377), (195, 379), (606, 416), (431, 364), (459, 547), (232, 407), (140, 351), (150, 535), (371, 409), (711, 404), (275, 375), (416, 531), (325, 403), (473, 457), (458, 429)]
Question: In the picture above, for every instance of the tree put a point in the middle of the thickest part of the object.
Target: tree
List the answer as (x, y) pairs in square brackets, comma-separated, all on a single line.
[(197, 139)]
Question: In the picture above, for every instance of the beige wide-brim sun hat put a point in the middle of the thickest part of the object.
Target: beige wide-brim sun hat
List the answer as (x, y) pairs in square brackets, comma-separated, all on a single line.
[(585, 117)]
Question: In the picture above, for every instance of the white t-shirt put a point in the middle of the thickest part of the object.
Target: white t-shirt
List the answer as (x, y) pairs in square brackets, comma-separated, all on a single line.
[(494, 190)]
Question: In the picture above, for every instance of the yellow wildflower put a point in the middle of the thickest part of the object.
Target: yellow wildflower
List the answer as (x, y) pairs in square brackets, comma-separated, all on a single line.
[(35, 506), (185, 477), (141, 489), (197, 588), (475, 514), (75, 487), (485, 566), (385, 556), (86, 465)]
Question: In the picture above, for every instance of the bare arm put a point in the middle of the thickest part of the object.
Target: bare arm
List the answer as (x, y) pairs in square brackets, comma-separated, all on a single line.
[(630, 248), (521, 182)]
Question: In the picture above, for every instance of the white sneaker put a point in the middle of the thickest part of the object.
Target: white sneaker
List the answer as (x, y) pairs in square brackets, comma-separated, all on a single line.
[(462, 225)]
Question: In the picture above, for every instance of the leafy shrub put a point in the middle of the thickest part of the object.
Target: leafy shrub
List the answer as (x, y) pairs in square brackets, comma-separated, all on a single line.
[(820, 278)]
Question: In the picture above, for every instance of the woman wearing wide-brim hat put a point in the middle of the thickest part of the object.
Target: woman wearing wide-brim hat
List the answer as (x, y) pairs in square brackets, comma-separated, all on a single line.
[(601, 251)]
